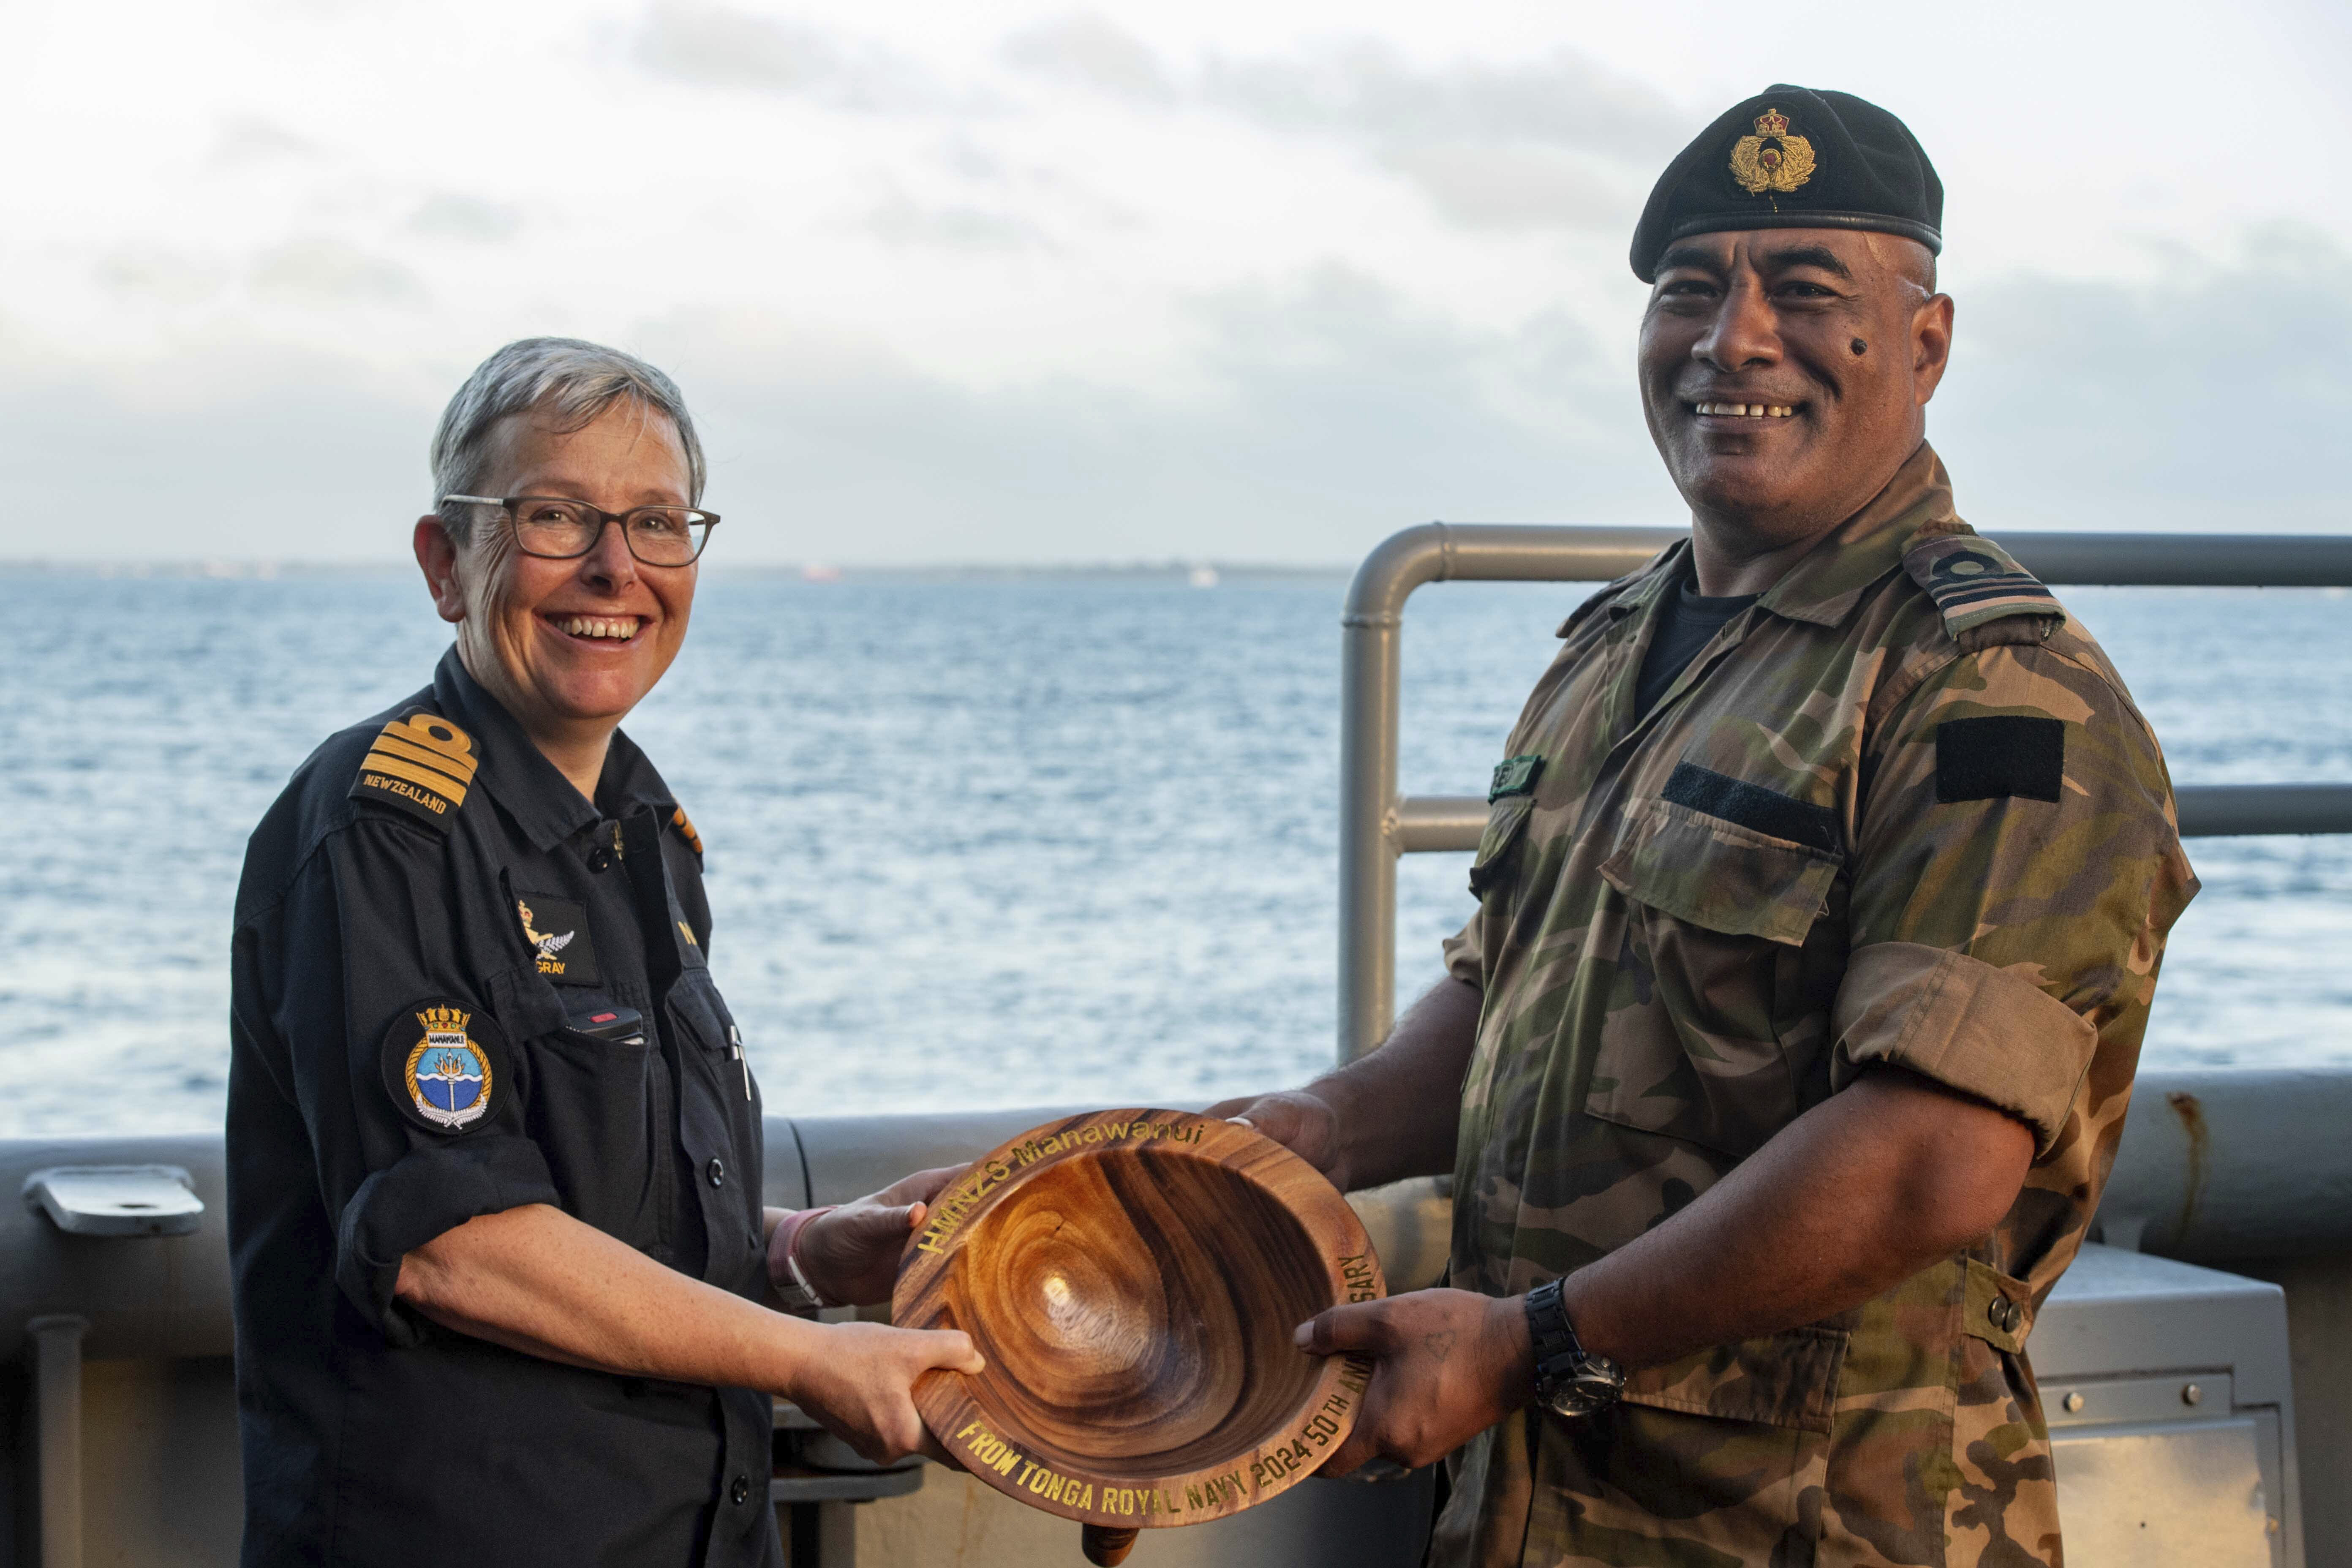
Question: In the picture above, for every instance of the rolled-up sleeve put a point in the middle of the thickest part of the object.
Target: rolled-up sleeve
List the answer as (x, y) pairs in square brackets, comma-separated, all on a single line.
[(365, 933), (1466, 953), (2016, 869)]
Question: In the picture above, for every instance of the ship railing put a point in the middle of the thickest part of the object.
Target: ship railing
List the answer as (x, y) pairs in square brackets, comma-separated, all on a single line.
[(1378, 824)]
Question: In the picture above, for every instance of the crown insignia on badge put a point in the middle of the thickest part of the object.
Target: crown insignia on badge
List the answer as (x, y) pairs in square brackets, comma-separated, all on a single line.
[(448, 1075), (1771, 161)]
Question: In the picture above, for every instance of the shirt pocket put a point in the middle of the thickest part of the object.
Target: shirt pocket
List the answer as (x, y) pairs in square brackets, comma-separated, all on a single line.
[(1721, 875), (695, 1001), (711, 1056), (1788, 1379), (1506, 828), (1694, 1045), (603, 1111)]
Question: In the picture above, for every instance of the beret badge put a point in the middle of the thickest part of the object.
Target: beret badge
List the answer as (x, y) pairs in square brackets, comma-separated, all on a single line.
[(1771, 161)]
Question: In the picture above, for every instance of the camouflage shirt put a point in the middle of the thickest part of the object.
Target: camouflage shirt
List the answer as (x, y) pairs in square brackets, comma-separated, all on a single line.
[(1901, 809)]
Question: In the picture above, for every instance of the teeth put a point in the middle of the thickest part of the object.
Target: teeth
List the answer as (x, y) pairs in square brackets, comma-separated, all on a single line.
[(620, 630), (1747, 410)]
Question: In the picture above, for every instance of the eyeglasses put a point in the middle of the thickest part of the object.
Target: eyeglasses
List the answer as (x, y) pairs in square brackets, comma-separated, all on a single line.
[(556, 528)]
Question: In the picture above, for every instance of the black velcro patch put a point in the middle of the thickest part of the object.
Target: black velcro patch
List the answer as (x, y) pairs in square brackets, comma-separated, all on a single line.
[(2001, 757), (445, 1064), (1753, 806), (557, 930)]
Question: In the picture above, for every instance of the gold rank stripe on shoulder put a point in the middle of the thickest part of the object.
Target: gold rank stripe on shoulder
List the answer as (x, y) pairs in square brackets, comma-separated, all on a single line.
[(423, 760), (685, 825), (1973, 581)]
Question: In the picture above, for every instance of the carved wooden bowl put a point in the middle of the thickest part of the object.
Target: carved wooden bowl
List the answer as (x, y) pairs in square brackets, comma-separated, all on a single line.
[(1134, 1278)]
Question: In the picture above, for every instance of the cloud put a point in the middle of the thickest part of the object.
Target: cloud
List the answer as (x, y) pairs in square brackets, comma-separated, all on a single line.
[(244, 141), (716, 46), (1367, 92), (323, 272), (898, 219), (161, 276), (447, 214), (1307, 416), (2215, 399), (1096, 53), (1326, 412), (1516, 185), (1557, 141), (224, 448)]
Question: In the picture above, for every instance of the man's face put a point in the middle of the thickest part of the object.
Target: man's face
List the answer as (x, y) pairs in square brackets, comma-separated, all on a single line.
[(562, 643), (1767, 323)]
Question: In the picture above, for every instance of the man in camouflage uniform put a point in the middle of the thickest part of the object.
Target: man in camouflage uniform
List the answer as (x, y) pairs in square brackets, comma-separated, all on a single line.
[(1795, 1030)]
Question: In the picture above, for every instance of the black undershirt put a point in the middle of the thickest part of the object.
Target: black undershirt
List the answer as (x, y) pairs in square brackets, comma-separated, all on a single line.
[(1687, 622)]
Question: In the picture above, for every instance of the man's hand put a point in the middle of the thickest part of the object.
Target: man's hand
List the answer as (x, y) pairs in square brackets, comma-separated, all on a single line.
[(1298, 1120), (1447, 1365), (851, 1255), (1385, 1116)]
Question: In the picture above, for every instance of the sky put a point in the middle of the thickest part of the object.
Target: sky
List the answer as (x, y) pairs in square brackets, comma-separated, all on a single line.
[(1012, 282)]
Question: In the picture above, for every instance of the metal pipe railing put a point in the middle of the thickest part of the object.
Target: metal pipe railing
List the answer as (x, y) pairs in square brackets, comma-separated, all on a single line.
[(1377, 823)]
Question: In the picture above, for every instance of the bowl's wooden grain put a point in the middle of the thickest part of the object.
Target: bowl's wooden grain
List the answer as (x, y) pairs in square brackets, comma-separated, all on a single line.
[(1134, 1278)]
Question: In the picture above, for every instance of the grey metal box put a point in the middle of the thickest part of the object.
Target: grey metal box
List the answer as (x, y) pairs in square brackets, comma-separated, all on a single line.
[(2171, 1415)]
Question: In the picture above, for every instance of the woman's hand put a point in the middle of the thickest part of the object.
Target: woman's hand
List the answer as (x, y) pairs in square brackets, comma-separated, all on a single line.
[(850, 1256), (859, 1385)]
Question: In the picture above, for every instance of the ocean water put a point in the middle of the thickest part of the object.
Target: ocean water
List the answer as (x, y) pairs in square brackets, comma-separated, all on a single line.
[(981, 843)]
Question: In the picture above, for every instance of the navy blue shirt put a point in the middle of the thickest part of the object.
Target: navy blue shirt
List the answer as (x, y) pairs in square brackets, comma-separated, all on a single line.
[(459, 987)]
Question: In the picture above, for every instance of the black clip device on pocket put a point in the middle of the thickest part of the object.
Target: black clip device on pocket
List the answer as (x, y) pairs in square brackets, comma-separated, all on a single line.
[(621, 1026)]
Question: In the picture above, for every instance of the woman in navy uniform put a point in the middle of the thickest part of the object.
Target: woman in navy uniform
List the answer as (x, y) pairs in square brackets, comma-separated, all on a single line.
[(505, 1289)]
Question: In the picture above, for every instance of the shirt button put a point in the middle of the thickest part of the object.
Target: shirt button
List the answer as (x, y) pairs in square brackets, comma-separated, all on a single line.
[(716, 1171), (742, 1491), (599, 859)]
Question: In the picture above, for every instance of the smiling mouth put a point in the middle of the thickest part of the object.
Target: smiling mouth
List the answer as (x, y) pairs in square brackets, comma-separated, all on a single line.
[(1745, 410), (597, 628)]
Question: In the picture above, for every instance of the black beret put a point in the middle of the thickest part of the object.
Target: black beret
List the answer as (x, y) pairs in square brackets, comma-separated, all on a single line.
[(1793, 158)]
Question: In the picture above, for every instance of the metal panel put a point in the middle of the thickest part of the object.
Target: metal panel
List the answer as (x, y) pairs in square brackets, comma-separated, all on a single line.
[(2180, 1492), (2139, 1344)]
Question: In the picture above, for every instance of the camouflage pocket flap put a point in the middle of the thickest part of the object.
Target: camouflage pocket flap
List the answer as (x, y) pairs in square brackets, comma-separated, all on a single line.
[(1506, 825), (1715, 873), (1781, 1380)]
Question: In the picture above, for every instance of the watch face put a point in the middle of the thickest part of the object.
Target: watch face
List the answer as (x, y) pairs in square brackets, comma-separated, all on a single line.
[(1581, 1393)]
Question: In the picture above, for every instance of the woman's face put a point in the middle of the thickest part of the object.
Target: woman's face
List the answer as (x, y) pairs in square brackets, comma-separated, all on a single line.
[(571, 646)]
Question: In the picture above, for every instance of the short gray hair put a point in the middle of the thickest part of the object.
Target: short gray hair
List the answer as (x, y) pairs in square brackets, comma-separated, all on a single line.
[(571, 380)]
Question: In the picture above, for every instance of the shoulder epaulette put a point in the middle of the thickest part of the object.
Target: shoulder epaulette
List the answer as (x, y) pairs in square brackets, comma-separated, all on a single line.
[(1974, 580), (422, 764), (1600, 599), (685, 825)]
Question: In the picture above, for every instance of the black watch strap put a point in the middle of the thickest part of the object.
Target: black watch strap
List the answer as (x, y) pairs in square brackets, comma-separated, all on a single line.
[(1569, 1379)]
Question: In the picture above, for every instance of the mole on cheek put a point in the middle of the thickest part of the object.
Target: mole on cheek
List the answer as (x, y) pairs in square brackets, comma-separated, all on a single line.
[(1860, 347)]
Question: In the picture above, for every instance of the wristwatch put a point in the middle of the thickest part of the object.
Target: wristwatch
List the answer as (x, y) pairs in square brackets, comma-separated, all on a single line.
[(1571, 1380)]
